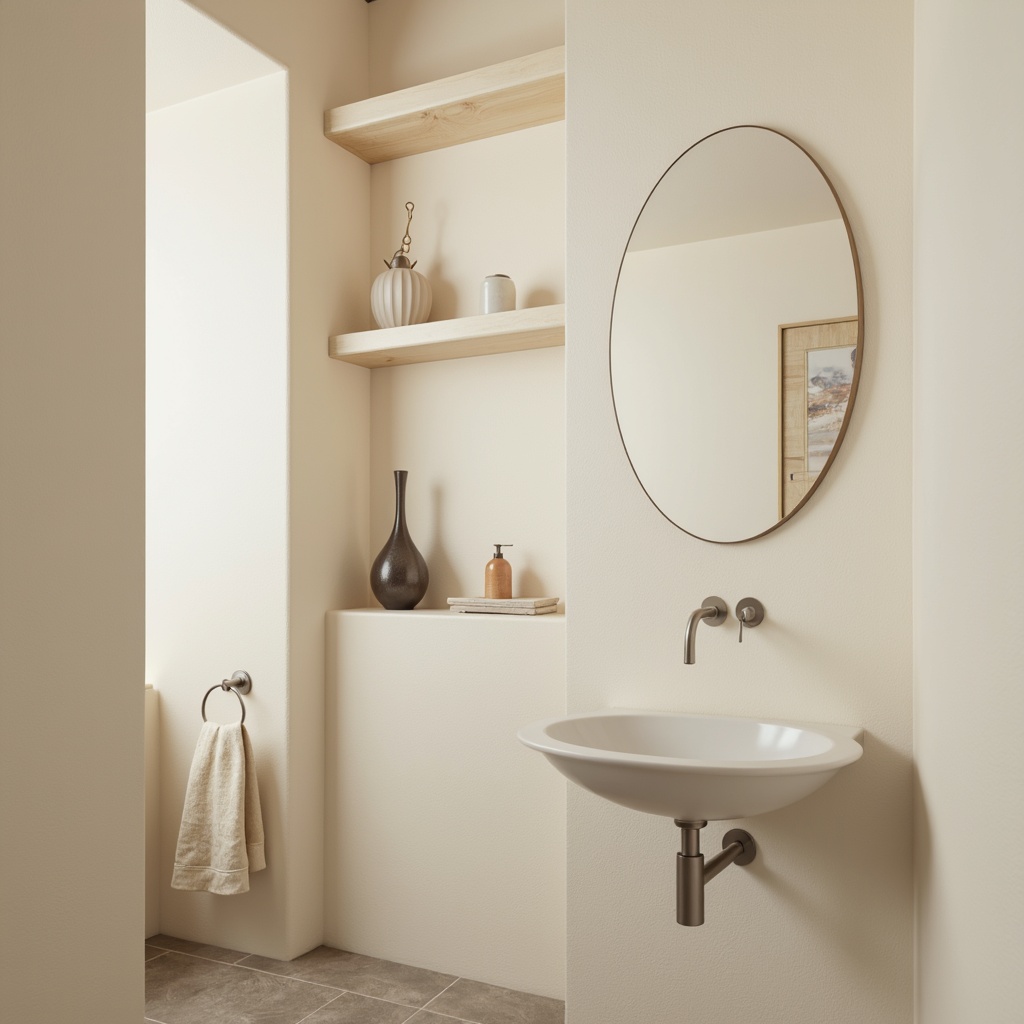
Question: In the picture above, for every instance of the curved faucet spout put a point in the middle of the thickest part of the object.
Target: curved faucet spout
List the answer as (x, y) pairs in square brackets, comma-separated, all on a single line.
[(713, 611), (690, 640)]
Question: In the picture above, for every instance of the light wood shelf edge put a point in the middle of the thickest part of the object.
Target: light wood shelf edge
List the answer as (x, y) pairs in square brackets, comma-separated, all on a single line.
[(446, 613), (506, 97), (514, 331)]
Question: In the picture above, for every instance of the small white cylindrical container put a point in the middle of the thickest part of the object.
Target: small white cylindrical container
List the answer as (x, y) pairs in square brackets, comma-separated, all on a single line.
[(497, 294)]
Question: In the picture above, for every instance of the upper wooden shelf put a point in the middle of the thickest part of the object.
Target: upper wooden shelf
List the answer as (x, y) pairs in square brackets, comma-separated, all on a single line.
[(514, 331), (506, 97)]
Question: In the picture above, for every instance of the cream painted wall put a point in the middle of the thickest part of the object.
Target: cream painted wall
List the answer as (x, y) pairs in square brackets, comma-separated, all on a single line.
[(71, 543), (667, 390), (72, 251), (153, 823), (216, 465), (968, 496), (445, 837), (819, 928), (483, 439), (496, 206), (446, 846), (415, 41), (484, 442), (323, 45)]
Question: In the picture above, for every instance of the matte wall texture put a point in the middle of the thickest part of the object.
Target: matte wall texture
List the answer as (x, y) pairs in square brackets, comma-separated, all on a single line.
[(217, 469), (516, 484), (816, 930), (483, 439), (325, 442), (969, 492), (445, 836), (431, 860), (72, 499)]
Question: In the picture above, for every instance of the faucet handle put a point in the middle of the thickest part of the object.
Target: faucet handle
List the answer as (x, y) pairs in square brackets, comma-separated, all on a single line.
[(750, 613)]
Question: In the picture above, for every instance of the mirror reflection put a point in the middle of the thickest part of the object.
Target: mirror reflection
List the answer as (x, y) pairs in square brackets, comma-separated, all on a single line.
[(736, 335)]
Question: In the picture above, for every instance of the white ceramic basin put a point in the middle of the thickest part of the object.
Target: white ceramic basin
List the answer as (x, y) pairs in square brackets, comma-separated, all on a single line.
[(694, 767)]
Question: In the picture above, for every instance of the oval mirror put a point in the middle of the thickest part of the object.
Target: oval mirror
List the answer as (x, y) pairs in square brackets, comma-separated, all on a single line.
[(736, 335)]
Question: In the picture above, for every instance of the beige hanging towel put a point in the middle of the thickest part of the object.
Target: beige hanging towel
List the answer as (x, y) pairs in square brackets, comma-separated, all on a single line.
[(221, 836)]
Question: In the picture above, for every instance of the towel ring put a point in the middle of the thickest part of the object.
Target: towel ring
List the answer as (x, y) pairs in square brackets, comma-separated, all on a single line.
[(239, 683)]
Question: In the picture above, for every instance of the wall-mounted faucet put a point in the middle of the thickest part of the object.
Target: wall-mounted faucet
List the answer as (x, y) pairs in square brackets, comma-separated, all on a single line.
[(714, 611)]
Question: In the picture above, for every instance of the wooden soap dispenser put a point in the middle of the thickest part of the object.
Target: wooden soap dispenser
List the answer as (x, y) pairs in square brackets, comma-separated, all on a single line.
[(498, 575)]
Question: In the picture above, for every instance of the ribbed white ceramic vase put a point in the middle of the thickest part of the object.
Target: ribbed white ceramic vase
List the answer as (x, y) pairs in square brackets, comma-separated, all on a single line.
[(400, 295)]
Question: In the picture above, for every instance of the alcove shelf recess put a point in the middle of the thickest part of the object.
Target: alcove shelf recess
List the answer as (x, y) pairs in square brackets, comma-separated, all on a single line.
[(521, 93)]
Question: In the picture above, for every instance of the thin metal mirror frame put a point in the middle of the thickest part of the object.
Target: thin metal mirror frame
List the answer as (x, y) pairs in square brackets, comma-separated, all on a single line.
[(860, 340)]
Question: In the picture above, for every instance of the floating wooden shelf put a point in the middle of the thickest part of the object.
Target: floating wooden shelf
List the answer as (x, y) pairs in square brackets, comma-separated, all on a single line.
[(505, 97), (519, 329)]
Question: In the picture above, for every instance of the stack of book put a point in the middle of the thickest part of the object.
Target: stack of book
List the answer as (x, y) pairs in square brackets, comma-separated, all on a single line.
[(504, 605)]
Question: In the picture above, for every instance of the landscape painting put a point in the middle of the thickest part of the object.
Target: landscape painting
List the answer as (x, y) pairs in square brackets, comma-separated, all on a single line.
[(829, 382)]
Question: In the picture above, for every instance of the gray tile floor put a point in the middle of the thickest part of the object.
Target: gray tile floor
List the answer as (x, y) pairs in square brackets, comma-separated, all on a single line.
[(189, 983)]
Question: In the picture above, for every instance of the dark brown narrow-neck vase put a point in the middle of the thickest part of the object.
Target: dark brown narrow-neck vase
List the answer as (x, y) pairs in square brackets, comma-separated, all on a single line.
[(399, 575)]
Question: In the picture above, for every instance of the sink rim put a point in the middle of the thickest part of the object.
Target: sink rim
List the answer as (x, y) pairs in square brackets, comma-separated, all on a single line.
[(846, 747)]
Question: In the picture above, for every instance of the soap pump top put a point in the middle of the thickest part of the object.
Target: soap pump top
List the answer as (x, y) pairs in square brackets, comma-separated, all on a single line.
[(498, 575)]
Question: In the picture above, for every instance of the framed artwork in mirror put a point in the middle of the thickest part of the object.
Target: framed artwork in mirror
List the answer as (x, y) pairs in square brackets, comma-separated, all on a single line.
[(817, 364)]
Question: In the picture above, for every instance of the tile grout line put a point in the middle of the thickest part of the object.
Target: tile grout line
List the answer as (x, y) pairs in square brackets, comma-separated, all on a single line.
[(292, 977), (447, 1016), (363, 995), (340, 991), (391, 1002), (438, 1012), (199, 956), (317, 984), (259, 970), (441, 993), (319, 1008)]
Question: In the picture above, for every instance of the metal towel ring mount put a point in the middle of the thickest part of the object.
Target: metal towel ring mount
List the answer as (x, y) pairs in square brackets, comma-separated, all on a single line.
[(239, 683)]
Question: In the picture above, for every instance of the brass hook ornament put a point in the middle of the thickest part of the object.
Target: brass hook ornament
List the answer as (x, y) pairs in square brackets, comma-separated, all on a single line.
[(403, 249)]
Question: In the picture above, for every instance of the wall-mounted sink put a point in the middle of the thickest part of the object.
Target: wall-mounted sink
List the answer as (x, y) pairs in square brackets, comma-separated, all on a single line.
[(694, 767)]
